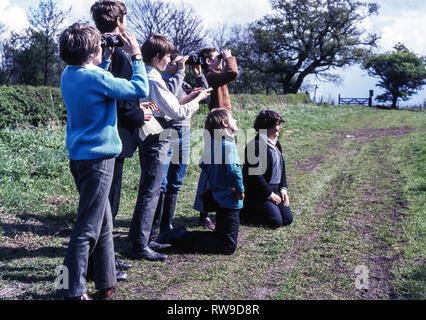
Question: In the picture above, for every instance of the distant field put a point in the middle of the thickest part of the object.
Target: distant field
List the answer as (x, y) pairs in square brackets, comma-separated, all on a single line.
[(357, 190)]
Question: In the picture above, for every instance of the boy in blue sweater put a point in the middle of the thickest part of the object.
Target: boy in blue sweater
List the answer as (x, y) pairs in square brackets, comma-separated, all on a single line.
[(90, 93), (221, 164)]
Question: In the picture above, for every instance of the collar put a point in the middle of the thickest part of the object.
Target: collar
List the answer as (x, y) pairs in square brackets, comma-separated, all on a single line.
[(273, 142)]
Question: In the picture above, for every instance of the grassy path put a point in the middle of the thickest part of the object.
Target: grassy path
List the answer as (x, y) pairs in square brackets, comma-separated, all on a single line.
[(357, 191)]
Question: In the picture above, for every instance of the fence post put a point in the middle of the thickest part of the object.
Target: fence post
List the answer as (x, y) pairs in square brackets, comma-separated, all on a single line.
[(370, 99), (339, 99)]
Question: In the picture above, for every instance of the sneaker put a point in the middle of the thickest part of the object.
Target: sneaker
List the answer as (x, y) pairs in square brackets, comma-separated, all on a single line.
[(207, 223)]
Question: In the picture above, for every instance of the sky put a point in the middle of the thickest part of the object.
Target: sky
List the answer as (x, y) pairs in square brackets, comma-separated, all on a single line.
[(398, 21)]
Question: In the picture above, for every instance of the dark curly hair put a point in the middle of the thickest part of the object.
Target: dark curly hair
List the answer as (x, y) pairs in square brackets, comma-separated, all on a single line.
[(267, 119)]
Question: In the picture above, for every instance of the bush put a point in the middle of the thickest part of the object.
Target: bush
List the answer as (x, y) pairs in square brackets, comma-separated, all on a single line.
[(34, 106), (28, 105), (244, 101)]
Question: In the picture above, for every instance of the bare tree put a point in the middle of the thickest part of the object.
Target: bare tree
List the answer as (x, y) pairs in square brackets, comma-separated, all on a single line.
[(220, 36), (178, 21), (147, 17)]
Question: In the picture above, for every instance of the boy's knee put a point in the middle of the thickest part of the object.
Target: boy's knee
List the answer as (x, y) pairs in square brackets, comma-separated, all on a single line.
[(287, 222)]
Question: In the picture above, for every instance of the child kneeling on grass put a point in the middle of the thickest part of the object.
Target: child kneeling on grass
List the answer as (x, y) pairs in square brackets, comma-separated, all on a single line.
[(221, 163), (90, 95)]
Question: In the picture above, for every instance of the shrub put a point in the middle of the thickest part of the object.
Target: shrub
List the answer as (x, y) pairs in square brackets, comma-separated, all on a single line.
[(245, 101), (28, 105)]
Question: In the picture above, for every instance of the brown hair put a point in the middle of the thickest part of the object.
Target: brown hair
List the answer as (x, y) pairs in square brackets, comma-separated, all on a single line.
[(156, 44), (105, 14), (77, 42), (206, 53), (215, 119), (267, 119)]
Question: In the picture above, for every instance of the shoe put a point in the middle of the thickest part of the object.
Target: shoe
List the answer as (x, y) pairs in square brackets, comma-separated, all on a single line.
[(83, 297), (207, 223), (121, 275), (121, 265), (172, 236), (147, 253), (105, 294), (158, 246)]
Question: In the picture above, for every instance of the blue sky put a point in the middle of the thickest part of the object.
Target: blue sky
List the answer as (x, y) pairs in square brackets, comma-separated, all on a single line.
[(398, 21)]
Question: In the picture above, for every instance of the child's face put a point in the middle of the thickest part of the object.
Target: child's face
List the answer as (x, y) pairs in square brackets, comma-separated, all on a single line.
[(232, 123), (172, 67), (215, 62), (161, 64), (97, 58), (122, 26), (274, 131)]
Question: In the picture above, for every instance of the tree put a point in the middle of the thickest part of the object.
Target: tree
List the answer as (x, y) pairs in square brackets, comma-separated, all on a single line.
[(47, 20), (178, 21), (402, 73), (305, 37)]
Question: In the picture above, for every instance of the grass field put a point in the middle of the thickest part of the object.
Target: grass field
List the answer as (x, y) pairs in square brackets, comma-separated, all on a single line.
[(357, 191)]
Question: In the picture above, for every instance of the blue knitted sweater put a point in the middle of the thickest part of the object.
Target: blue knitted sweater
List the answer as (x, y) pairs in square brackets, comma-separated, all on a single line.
[(90, 96)]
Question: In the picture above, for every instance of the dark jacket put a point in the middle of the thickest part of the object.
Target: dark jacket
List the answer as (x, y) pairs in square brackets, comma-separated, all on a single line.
[(130, 116), (257, 186)]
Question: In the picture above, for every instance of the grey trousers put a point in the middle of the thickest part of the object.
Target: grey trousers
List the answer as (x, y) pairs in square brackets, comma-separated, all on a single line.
[(152, 157), (92, 231)]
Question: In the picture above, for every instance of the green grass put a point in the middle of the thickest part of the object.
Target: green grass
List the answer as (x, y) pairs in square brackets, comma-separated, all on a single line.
[(357, 192)]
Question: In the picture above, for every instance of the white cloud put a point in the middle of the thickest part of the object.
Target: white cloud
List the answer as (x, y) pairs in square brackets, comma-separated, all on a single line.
[(14, 17), (230, 12), (408, 29)]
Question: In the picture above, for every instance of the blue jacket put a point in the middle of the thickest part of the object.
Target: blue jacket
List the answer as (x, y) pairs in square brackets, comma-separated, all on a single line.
[(90, 96), (224, 173)]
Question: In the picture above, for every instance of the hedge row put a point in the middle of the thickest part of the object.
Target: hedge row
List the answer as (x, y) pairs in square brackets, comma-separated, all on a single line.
[(34, 106), (244, 101), (30, 106)]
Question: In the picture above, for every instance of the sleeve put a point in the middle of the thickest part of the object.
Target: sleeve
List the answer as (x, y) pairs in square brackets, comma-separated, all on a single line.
[(175, 82), (202, 82), (283, 183), (122, 89), (131, 112), (221, 78), (233, 168), (169, 104)]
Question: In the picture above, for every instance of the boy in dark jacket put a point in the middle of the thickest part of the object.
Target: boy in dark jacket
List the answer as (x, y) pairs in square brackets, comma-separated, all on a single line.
[(110, 18)]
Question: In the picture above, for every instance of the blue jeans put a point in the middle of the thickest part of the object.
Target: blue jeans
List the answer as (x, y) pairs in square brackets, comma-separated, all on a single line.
[(173, 176), (177, 160), (152, 157), (92, 231)]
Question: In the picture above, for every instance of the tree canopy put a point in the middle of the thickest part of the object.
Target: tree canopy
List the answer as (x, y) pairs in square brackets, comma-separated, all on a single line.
[(303, 37), (402, 73)]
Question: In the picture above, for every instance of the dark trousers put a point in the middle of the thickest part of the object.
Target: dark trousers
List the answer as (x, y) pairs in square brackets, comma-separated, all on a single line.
[(269, 214), (173, 176), (152, 157), (221, 241), (114, 194), (92, 231)]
